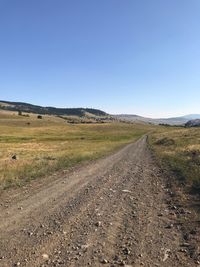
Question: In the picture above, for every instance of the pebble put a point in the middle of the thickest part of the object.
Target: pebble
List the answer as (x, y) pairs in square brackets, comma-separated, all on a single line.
[(104, 261), (98, 224), (45, 256), (169, 226), (30, 233), (183, 250), (126, 251), (185, 245), (126, 191)]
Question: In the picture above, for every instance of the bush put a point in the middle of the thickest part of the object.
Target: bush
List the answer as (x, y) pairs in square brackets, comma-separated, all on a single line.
[(165, 142)]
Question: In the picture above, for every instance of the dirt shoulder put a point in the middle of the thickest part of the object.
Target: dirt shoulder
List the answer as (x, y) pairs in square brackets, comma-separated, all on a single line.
[(111, 212)]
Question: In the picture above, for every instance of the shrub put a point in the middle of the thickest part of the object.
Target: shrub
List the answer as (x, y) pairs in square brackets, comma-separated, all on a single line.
[(165, 142)]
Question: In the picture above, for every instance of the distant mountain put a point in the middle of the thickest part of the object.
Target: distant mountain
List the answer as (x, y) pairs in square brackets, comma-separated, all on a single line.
[(192, 116), (29, 108), (133, 118), (171, 121)]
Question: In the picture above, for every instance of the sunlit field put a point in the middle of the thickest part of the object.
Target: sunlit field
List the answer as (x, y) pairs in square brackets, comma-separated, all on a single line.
[(179, 149), (46, 145)]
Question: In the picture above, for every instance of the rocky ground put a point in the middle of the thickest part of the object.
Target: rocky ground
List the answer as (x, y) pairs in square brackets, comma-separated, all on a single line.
[(116, 211)]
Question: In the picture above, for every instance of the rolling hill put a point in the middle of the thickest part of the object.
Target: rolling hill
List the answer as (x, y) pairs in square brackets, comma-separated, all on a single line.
[(171, 121), (90, 112), (29, 108)]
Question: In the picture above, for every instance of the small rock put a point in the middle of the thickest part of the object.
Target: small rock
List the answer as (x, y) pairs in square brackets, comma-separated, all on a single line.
[(169, 226), (183, 250), (14, 157), (185, 245), (49, 232), (98, 224), (126, 251), (166, 254), (126, 191), (45, 256), (30, 233), (104, 261)]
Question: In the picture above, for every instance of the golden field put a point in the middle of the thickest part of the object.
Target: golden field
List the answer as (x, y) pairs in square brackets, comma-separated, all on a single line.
[(179, 149), (45, 145)]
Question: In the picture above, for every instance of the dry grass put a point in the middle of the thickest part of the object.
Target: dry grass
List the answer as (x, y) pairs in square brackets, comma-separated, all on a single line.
[(47, 145), (179, 149)]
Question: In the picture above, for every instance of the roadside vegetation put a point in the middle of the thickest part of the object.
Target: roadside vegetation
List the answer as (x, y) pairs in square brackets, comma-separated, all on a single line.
[(178, 148), (32, 147)]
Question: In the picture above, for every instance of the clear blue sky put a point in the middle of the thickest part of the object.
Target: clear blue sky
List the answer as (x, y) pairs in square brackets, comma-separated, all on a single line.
[(123, 56)]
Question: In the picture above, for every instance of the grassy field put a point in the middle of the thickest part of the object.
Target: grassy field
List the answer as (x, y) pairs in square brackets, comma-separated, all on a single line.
[(43, 146), (179, 149)]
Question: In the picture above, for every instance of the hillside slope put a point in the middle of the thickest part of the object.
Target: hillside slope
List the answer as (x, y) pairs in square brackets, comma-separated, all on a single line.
[(171, 121), (26, 107)]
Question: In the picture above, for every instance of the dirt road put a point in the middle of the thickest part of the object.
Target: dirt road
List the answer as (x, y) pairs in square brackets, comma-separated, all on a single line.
[(111, 212)]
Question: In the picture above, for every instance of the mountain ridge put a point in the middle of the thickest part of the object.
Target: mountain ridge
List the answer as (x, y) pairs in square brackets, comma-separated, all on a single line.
[(31, 108), (182, 120)]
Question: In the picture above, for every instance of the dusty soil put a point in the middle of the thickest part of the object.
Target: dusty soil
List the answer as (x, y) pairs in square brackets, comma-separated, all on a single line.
[(111, 212)]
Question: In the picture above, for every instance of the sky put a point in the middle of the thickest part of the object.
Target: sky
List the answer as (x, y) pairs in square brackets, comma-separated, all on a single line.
[(122, 56)]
